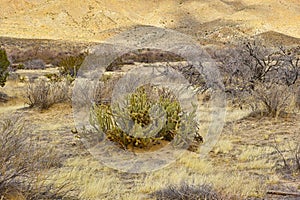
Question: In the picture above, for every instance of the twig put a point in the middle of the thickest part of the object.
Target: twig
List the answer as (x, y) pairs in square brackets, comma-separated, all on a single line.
[(276, 192)]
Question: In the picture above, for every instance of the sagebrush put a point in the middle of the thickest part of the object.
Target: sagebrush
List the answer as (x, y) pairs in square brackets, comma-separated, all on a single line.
[(43, 93)]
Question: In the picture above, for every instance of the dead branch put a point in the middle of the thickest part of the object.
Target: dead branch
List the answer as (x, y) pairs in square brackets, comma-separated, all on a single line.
[(283, 193)]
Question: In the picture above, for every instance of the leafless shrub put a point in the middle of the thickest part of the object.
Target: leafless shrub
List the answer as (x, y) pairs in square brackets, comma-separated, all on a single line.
[(256, 75), (43, 94), (297, 98), (275, 98), (104, 88), (192, 74), (187, 192), (291, 64), (289, 162), (23, 164)]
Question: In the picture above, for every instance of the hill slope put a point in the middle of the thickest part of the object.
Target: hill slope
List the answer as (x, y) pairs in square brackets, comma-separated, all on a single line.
[(90, 20)]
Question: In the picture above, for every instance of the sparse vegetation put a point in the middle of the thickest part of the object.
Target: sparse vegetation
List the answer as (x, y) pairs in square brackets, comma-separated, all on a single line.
[(263, 78), (4, 64), (241, 165), (187, 192), (144, 56), (289, 162), (71, 64), (42, 93), (34, 64), (23, 163)]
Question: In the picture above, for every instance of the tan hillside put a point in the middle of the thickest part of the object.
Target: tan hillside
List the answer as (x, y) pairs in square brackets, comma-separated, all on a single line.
[(277, 39), (90, 20)]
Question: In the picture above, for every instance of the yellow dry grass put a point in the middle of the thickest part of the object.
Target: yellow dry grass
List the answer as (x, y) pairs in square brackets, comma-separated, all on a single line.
[(95, 181)]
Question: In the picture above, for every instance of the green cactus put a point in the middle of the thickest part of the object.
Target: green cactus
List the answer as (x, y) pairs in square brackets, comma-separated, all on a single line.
[(138, 110)]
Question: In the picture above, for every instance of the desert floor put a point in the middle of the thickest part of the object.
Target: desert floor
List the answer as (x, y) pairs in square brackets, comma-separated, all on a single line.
[(243, 164)]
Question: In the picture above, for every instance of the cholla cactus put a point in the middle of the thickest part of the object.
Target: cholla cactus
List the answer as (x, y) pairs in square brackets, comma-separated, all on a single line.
[(136, 126)]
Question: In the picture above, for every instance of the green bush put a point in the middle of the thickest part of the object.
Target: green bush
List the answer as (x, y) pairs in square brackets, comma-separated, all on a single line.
[(4, 64), (145, 130), (71, 64)]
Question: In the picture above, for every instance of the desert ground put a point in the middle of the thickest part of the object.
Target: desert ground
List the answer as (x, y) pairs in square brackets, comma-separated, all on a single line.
[(257, 156)]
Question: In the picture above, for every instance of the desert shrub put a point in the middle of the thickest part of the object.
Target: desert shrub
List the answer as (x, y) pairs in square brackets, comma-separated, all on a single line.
[(289, 159), (42, 93), (275, 98), (54, 77), (34, 64), (260, 77), (4, 64), (297, 98), (187, 192), (145, 56), (23, 163), (71, 64), (142, 107), (103, 90), (14, 67)]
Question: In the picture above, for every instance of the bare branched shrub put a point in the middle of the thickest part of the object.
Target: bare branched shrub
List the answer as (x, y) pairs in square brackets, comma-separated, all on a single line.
[(43, 94), (275, 98), (104, 88), (289, 162), (261, 77), (297, 98), (187, 192), (23, 165)]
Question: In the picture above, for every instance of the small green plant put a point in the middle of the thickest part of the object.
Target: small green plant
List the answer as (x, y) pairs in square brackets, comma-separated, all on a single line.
[(53, 77), (140, 123), (4, 64), (20, 66), (71, 64)]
